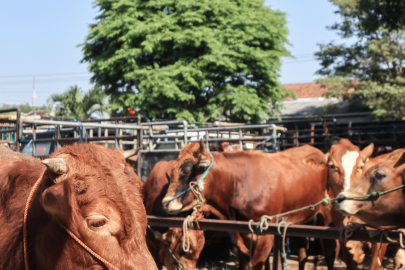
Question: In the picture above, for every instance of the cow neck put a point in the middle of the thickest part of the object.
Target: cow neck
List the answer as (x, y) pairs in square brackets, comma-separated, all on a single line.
[(25, 235), (217, 185)]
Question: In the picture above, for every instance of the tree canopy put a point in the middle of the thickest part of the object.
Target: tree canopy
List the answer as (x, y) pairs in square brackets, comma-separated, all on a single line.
[(370, 71), (187, 59), (78, 104)]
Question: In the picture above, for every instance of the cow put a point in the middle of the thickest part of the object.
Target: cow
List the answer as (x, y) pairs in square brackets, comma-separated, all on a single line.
[(83, 190), (155, 188), (346, 166), (241, 185), (384, 211)]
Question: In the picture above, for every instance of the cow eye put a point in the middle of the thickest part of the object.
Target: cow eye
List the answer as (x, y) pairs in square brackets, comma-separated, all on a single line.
[(379, 176), (97, 223)]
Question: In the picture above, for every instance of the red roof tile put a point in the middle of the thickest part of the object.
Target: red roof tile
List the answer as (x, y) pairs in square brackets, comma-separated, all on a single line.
[(307, 90)]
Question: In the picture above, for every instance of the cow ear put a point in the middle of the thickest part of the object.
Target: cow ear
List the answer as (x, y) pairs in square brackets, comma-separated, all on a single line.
[(316, 160), (55, 200), (367, 152), (202, 146), (400, 161)]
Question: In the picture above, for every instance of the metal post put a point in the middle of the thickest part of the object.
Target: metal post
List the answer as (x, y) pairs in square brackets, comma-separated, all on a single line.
[(106, 135), (150, 138), (240, 139), (275, 148), (185, 132), (18, 133), (207, 144), (57, 137), (115, 137), (34, 138)]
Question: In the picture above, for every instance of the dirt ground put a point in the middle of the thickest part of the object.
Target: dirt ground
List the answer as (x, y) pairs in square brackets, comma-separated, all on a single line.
[(232, 264)]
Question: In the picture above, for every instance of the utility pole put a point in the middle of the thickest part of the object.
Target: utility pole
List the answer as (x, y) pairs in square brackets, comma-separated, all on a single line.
[(34, 96)]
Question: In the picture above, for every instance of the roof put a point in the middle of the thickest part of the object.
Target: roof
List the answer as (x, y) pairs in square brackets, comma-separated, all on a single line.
[(307, 90), (308, 106)]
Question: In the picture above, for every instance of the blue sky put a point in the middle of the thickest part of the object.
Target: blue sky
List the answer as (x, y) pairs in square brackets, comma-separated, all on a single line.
[(40, 38)]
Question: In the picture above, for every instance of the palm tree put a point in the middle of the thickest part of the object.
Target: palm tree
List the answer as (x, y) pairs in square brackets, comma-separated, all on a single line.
[(74, 103)]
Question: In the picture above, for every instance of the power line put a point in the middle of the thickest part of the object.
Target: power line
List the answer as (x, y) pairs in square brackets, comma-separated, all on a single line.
[(42, 75), (44, 80)]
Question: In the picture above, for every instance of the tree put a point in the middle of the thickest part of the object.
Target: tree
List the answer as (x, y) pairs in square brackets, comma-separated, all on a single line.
[(187, 59), (370, 71), (74, 103)]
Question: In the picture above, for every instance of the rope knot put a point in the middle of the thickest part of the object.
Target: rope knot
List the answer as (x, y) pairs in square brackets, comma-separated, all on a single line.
[(375, 194), (325, 201)]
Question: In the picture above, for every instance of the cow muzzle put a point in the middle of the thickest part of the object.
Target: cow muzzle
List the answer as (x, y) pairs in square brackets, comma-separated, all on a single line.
[(346, 207), (172, 207)]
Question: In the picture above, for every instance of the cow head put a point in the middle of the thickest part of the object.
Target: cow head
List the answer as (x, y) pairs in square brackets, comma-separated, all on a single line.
[(188, 164), (87, 190), (346, 162), (387, 210), (174, 239)]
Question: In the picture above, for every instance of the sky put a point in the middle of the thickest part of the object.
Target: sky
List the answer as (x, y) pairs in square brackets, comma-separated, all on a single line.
[(40, 39)]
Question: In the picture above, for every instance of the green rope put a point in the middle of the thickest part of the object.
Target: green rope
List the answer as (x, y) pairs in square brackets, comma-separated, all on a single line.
[(174, 257), (263, 224), (375, 194)]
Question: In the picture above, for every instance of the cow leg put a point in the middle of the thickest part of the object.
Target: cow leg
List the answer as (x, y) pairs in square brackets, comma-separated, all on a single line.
[(262, 250), (302, 246), (243, 261), (329, 251), (347, 257), (374, 255), (399, 258)]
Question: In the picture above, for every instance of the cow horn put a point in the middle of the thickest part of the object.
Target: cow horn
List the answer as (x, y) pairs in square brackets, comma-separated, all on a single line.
[(129, 153), (400, 161), (202, 145), (182, 145), (57, 165)]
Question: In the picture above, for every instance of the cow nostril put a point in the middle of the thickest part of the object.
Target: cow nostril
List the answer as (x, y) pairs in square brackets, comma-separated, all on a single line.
[(340, 198)]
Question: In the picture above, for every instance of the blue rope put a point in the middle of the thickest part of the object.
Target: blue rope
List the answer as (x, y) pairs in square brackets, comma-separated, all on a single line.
[(199, 179), (79, 130), (28, 145)]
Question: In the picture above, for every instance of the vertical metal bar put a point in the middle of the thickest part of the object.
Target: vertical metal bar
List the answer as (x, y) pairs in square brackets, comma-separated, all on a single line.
[(18, 133), (139, 164), (275, 147), (115, 137), (120, 140), (106, 135), (34, 138), (207, 144), (150, 138), (277, 249), (296, 142), (90, 134), (185, 132), (240, 139), (57, 137)]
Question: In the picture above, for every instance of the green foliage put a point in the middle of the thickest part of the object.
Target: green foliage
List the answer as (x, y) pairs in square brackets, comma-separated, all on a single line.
[(187, 59), (25, 107), (368, 16), (74, 103), (384, 99), (371, 70)]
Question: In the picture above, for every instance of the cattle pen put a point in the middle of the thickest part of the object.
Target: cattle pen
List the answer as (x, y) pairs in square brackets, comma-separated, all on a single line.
[(320, 232), (150, 142)]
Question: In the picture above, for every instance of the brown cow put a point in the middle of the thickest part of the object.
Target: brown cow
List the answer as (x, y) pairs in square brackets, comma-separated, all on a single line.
[(228, 147), (347, 164), (155, 188), (249, 183), (84, 189), (387, 210)]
